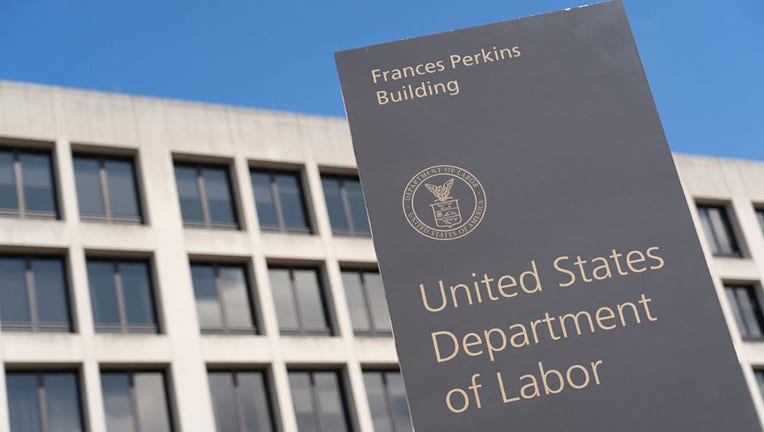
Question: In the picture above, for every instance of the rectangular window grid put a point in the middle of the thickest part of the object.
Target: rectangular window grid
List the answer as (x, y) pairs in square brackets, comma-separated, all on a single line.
[(107, 189), (206, 198), (346, 206), (136, 401), (718, 230), (241, 401), (387, 401), (301, 304), (223, 298), (280, 201), (27, 188), (34, 294), (366, 300), (44, 401), (122, 296), (747, 310), (320, 402)]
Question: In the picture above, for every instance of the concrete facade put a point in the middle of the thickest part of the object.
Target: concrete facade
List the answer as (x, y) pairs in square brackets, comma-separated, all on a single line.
[(157, 132)]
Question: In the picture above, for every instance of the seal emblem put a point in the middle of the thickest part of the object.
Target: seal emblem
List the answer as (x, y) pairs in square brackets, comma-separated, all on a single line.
[(444, 202)]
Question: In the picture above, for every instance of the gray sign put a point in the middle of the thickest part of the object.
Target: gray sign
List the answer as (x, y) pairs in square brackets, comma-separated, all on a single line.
[(539, 259)]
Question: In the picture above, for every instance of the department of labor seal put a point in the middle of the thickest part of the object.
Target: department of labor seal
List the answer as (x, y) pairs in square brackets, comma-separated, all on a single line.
[(444, 202)]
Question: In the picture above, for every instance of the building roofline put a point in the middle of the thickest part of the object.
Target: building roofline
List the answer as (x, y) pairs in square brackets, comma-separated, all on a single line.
[(170, 100)]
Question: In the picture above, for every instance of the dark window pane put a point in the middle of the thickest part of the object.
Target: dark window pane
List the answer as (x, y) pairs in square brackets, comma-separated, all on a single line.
[(63, 402), (357, 206), (283, 296), (14, 299), (188, 192), (219, 200), (266, 207), (254, 402), (335, 205), (760, 216), (50, 291), (290, 195), (103, 292), (396, 393), (89, 193), (718, 230), (375, 392), (207, 304), (117, 402), (304, 406), (309, 298), (23, 402), (746, 309), (37, 178), (123, 196), (233, 287), (333, 416), (359, 314), (760, 380), (8, 194), (375, 292), (707, 231), (151, 402), (137, 292), (224, 401)]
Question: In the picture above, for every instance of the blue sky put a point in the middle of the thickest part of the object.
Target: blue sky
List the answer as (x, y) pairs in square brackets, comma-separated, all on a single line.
[(704, 59)]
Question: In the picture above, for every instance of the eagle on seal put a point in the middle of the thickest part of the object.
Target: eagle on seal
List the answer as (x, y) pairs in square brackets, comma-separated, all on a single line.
[(441, 192)]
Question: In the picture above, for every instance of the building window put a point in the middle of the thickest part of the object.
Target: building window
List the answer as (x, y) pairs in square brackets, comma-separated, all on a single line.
[(205, 196), (366, 301), (279, 201), (760, 217), (223, 301), (759, 374), (387, 400), (106, 189), (135, 402), (319, 401), (300, 303), (241, 402), (746, 309), (122, 296), (44, 401), (718, 230), (26, 184), (33, 294), (344, 201)]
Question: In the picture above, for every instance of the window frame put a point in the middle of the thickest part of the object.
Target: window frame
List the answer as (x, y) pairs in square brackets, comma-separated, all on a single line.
[(729, 225), (268, 388), (388, 400), (103, 181), (34, 325), (124, 327), (42, 394), (325, 303), (344, 394), (278, 209), (204, 201), (226, 329), (22, 212), (753, 291), (374, 332), (134, 405), (351, 232)]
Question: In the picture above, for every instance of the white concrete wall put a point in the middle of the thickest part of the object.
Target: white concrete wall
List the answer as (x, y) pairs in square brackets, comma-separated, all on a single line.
[(159, 130)]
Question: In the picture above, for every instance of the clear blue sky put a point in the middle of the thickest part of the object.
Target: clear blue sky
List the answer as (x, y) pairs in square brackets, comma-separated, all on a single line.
[(704, 59)]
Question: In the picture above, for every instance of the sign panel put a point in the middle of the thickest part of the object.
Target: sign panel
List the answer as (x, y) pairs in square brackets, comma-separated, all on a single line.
[(538, 255)]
